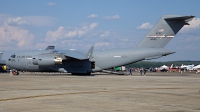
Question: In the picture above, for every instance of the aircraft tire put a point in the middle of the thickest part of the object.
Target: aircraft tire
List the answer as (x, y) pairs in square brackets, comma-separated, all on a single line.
[(73, 73), (89, 73)]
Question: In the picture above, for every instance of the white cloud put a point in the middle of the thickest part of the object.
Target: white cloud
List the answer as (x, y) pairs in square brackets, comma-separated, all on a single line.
[(105, 34), (146, 25), (192, 38), (63, 33), (15, 36), (189, 38), (194, 24), (93, 25), (51, 4), (17, 21), (3, 18), (92, 16), (112, 17), (189, 47), (38, 21), (41, 21), (100, 44)]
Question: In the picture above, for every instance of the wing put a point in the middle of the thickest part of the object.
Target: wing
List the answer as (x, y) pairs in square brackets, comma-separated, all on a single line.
[(77, 54), (2, 62)]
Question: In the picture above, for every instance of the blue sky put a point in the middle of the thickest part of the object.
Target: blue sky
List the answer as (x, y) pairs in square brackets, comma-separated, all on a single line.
[(106, 24)]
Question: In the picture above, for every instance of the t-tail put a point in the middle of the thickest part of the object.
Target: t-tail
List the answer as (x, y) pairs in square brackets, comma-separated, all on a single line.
[(165, 29)]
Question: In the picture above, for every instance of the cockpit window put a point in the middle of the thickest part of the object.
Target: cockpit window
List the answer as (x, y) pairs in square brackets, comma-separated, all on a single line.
[(13, 56)]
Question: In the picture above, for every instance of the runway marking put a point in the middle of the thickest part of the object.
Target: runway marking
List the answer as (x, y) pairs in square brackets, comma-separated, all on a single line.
[(87, 92)]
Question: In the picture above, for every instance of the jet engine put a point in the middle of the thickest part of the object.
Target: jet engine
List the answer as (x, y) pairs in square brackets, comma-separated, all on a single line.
[(47, 60)]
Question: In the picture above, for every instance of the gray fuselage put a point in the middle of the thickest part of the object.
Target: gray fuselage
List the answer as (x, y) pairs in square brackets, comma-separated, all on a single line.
[(104, 59)]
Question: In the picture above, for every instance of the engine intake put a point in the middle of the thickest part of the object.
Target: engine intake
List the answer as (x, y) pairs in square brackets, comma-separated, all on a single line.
[(4, 67)]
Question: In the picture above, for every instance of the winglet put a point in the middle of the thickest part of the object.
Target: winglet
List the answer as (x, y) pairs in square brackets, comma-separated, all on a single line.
[(89, 54), (50, 48)]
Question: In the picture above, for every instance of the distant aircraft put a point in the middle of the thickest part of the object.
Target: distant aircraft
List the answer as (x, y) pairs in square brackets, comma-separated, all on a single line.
[(174, 68), (79, 62), (187, 67), (165, 68), (197, 68)]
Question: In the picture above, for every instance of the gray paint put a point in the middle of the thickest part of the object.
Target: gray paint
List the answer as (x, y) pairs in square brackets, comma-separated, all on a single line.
[(74, 61), (163, 31)]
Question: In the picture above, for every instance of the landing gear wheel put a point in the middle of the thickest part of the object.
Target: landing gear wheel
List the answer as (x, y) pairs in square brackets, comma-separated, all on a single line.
[(88, 73), (81, 73)]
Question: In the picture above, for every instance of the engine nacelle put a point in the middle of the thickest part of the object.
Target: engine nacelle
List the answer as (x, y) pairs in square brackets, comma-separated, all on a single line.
[(47, 60), (4, 67)]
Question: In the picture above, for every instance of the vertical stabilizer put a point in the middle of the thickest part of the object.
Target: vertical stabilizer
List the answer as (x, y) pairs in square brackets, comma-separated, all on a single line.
[(165, 29), (171, 66)]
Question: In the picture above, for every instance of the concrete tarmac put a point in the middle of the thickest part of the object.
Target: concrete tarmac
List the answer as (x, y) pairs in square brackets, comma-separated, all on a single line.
[(100, 92)]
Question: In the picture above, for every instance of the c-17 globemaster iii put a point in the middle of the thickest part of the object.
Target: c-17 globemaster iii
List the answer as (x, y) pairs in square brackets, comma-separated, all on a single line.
[(79, 62)]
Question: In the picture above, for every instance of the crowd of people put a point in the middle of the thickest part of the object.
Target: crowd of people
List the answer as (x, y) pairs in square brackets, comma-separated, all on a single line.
[(141, 70)]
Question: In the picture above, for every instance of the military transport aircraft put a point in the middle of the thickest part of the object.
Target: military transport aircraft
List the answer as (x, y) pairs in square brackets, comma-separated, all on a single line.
[(79, 62)]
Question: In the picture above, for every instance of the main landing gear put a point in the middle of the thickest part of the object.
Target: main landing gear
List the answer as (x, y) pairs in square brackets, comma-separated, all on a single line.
[(89, 73)]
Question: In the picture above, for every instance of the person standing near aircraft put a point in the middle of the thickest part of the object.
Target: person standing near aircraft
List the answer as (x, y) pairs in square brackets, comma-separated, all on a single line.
[(141, 71), (10, 72), (130, 71), (145, 72)]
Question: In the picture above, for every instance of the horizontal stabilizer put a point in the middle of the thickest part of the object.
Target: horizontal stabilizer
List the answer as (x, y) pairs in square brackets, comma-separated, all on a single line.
[(184, 18)]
